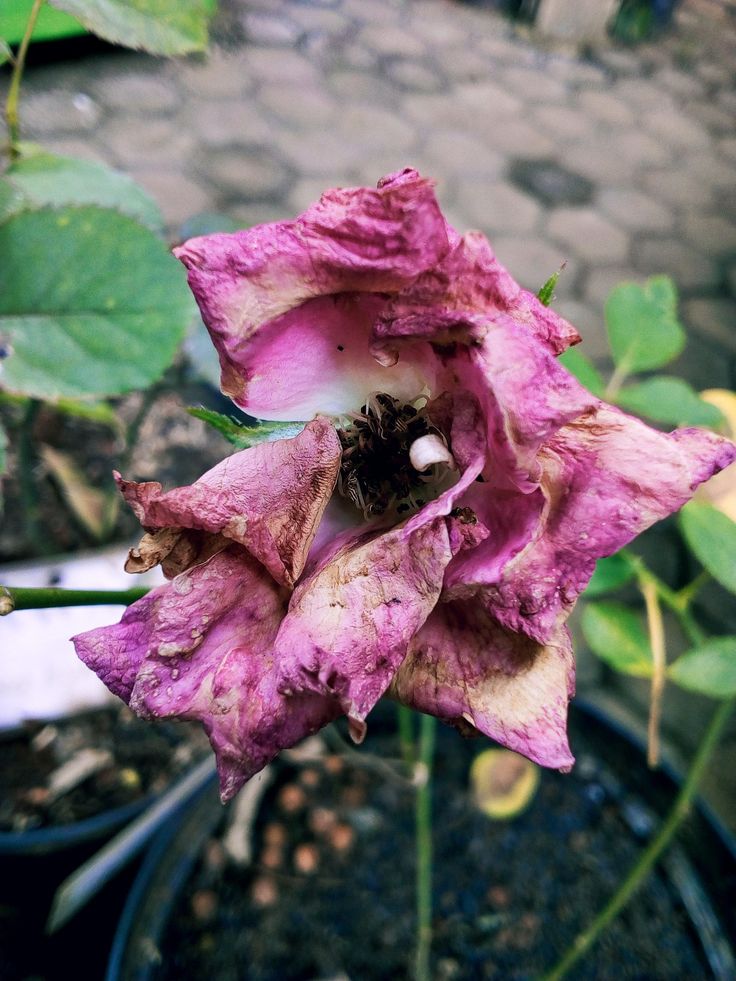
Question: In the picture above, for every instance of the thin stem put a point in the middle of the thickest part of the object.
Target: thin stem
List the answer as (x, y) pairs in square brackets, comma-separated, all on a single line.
[(41, 598), (423, 830), (619, 376), (11, 104), (659, 663), (406, 734), (687, 594), (681, 808), (671, 599)]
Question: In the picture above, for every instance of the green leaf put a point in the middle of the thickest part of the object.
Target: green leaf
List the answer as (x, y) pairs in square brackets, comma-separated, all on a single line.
[(669, 400), (11, 200), (91, 303), (617, 635), (584, 370), (643, 329), (610, 574), (711, 536), (101, 412), (709, 669), (45, 179), (547, 293), (245, 436), (5, 53), (166, 27)]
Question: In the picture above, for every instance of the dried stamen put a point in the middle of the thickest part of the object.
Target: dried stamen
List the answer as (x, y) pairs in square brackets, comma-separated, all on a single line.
[(378, 472)]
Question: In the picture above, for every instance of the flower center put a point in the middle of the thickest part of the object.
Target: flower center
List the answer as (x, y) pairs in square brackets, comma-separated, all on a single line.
[(393, 456)]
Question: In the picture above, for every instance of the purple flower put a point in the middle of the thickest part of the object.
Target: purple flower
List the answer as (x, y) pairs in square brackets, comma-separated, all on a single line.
[(427, 533)]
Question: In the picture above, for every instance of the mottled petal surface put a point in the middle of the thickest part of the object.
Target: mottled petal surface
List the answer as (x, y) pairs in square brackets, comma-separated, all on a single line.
[(251, 286), (466, 669), (269, 498), (201, 648), (606, 478)]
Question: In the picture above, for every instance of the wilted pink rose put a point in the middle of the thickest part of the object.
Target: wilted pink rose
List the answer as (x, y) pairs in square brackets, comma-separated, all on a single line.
[(429, 530)]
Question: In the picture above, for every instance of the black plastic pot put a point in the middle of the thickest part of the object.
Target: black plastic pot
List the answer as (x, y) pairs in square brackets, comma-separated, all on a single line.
[(700, 869)]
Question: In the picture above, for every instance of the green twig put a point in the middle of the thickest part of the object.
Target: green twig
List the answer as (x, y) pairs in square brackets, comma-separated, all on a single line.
[(29, 496), (658, 647), (41, 598), (423, 830), (671, 599), (687, 594), (585, 940), (11, 104), (406, 734)]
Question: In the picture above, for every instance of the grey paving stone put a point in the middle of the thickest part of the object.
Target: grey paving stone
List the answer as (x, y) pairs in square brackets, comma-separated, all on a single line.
[(689, 269), (679, 82), (313, 154), (677, 187), (223, 122), (251, 173), (731, 279), (638, 148), (489, 96), (373, 127), (516, 138), (355, 55), (635, 210), (712, 234), (549, 182), (533, 85), (532, 260), (497, 208), (437, 29), (263, 65), (415, 76), (59, 111), (727, 147), (576, 72), (588, 235), (599, 283), (714, 318), (323, 19), (607, 106), (456, 151), (271, 29), (390, 40), (131, 93), (675, 128), (177, 194), (562, 123), (709, 168), (300, 105), (594, 160), (461, 64), (221, 75), (135, 142), (307, 190), (348, 85)]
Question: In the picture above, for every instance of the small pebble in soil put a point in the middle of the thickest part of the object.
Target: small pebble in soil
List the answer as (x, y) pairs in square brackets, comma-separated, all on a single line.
[(130, 778), (321, 820), (353, 797), (498, 896), (214, 855), (272, 857), (309, 777), (334, 764), (341, 837), (204, 905), (292, 798), (274, 834), (306, 858), (264, 891)]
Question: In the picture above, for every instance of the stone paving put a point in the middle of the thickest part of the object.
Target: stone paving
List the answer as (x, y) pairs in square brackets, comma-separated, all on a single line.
[(620, 163)]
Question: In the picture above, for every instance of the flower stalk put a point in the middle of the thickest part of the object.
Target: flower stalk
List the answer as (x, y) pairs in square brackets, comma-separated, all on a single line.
[(680, 810), (423, 831), (659, 664), (40, 598), (11, 104)]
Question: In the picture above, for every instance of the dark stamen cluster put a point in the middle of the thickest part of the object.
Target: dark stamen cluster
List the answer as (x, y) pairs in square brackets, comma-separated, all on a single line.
[(376, 473)]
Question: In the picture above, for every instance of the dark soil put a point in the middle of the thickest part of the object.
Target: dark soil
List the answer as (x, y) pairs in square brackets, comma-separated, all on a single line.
[(135, 759), (331, 890)]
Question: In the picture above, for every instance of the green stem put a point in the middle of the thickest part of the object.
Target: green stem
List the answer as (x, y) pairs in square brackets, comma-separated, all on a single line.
[(406, 734), (423, 830), (687, 594), (681, 808), (11, 104), (672, 599), (41, 598)]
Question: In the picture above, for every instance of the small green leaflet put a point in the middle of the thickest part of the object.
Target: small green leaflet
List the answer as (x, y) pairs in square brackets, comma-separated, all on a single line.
[(610, 574), (584, 370), (643, 329), (616, 634), (709, 669), (669, 400), (5, 53), (243, 437), (711, 536), (547, 293), (165, 27)]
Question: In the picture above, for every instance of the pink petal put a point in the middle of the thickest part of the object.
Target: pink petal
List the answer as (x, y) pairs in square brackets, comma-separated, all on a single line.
[(251, 286), (606, 478), (466, 669), (201, 648), (269, 498)]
